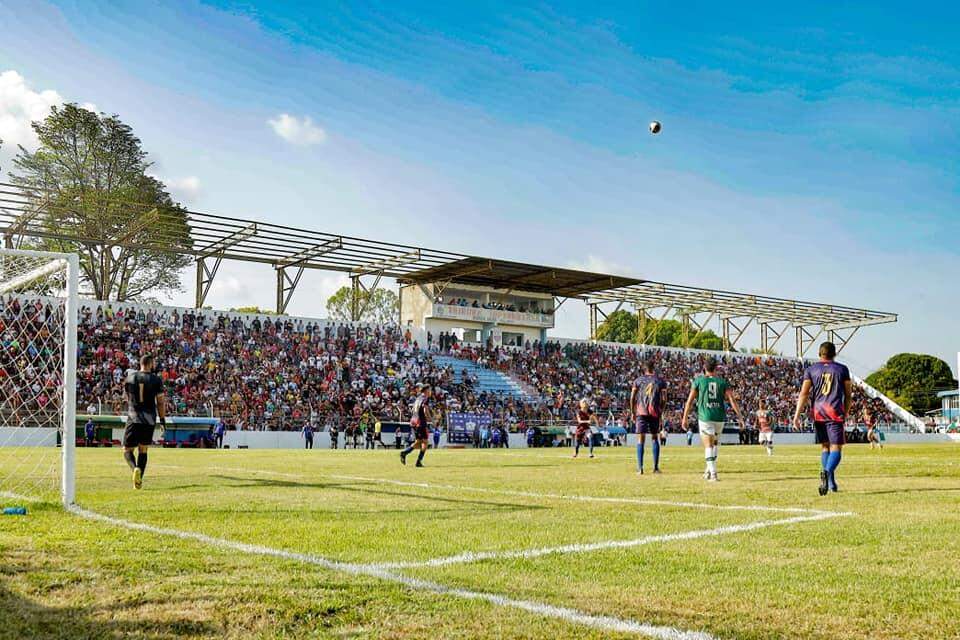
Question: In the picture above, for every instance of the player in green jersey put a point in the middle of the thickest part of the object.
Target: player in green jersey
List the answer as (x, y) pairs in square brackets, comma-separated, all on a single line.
[(711, 393)]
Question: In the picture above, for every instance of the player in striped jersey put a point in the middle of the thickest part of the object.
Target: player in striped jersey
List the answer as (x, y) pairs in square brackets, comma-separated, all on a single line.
[(874, 436), (585, 417), (765, 427), (421, 425)]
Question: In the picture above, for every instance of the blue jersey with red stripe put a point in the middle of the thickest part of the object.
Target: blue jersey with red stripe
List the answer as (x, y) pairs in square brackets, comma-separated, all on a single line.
[(649, 395), (828, 380)]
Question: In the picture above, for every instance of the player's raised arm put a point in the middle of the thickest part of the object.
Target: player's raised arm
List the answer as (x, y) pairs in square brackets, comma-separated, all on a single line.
[(633, 400), (802, 402)]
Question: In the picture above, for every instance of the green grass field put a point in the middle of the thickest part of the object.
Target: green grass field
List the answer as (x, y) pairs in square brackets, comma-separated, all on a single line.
[(889, 568)]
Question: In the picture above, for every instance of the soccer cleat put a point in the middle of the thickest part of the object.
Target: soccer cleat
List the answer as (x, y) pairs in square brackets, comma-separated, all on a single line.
[(419, 464), (137, 478), (591, 455), (823, 483), (713, 478), (833, 484), (640, 471), (706, 474), (656, 470), (403, 458)]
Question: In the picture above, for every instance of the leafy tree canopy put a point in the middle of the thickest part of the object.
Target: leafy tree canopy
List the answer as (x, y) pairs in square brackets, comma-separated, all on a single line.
[(912, 380), (89, 179), (380, 307)]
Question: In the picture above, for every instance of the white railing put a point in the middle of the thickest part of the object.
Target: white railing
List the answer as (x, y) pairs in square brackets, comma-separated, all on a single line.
[(479, 314)]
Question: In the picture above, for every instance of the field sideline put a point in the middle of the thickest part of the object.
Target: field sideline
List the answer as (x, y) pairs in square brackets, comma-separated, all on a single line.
[(491, 544)]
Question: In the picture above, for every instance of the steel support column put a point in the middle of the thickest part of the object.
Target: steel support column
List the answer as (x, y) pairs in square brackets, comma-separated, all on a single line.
[(286, 285), (205, 276), (805, 339)]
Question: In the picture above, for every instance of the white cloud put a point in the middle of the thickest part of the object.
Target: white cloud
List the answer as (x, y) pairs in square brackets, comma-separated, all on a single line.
[(298, 131), (184, 190), (596, 264), (19, 106)]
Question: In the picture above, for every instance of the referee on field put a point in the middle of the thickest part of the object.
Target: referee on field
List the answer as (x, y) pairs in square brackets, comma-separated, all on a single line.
[(144, 391)]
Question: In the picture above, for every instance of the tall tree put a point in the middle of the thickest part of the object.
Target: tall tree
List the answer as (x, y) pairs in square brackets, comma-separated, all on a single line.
[(88, 179), (619, 326), (912, 380), (380, 307)]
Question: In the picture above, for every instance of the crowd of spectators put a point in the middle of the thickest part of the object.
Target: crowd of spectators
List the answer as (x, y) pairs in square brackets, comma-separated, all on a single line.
[(604, 375), (280, 373), (31, 360), (523, 307)]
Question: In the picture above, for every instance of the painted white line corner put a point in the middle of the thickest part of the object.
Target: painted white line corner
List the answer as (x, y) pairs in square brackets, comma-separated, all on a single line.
[(606, 623)]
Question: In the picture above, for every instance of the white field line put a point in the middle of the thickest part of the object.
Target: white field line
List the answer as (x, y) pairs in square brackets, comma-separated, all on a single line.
[(19, 496), (581, 498), (573, 616), (478, 556), (541, 496)]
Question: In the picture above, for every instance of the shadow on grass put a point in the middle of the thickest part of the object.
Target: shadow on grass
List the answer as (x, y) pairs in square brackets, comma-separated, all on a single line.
[(913, 490), (26, 618), (368, 488)]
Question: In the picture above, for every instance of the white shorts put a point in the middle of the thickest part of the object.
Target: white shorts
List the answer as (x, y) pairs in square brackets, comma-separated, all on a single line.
[(714, 429), (766, 436)]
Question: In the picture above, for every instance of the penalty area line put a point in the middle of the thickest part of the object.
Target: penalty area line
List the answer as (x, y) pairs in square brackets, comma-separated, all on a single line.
[(565, 614), (478, 556)]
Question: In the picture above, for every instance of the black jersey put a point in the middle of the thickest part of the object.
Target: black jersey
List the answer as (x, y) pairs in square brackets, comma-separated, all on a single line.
[(420, 410), (142, 390)]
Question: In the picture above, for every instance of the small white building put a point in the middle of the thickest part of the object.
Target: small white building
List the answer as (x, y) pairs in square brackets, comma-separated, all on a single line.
[(481, 300)]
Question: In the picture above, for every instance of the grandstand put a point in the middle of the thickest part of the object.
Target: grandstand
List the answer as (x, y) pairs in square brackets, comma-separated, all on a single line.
[(261, 372)]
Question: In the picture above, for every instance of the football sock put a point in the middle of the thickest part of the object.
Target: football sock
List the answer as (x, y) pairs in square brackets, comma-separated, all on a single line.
[(711, 459), (591, 445), (407, 450), (656, 453), (823, 459), (639, 455), (128, 456), (576, 448), (833, 461), (142, 462), (420, 456)]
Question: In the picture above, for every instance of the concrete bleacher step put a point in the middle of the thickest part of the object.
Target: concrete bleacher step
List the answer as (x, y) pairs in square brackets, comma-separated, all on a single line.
[(487, 379)]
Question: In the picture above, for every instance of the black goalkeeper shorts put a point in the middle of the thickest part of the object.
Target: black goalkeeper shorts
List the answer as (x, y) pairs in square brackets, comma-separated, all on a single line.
[(135, 435)]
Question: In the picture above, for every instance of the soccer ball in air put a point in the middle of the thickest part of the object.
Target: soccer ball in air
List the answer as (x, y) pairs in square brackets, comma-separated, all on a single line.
[(654, 127)]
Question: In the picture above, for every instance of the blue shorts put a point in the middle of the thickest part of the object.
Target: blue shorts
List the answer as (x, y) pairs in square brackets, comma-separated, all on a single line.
[(830, 432), (648, 424)]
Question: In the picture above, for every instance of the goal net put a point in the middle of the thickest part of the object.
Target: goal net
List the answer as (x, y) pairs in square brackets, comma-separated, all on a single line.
[(38, 376)]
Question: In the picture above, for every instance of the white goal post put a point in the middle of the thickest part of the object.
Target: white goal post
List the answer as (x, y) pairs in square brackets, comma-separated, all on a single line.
[(38, 317)]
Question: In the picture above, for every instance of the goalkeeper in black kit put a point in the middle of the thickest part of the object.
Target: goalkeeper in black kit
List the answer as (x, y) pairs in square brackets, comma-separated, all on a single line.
[(144, 392)]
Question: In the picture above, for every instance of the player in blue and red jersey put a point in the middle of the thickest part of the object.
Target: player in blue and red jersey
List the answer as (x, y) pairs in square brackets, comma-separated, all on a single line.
[(828, 386), (647, 401)]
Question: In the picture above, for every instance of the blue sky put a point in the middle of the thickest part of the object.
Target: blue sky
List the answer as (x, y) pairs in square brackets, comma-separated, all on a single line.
[(807, 152)]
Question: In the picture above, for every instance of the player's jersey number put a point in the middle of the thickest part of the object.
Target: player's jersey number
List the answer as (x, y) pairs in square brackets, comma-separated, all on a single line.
[(827, 385)]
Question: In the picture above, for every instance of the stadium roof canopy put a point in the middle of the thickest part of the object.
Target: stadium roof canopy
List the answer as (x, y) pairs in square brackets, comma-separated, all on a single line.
[(27, 213), (501, 274)]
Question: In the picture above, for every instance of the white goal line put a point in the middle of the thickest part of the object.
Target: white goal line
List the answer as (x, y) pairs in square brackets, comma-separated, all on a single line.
[(565, 614)]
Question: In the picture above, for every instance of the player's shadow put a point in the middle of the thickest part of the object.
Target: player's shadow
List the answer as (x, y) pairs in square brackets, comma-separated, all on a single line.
[(911, 490), (374, 489), (26, 618)]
